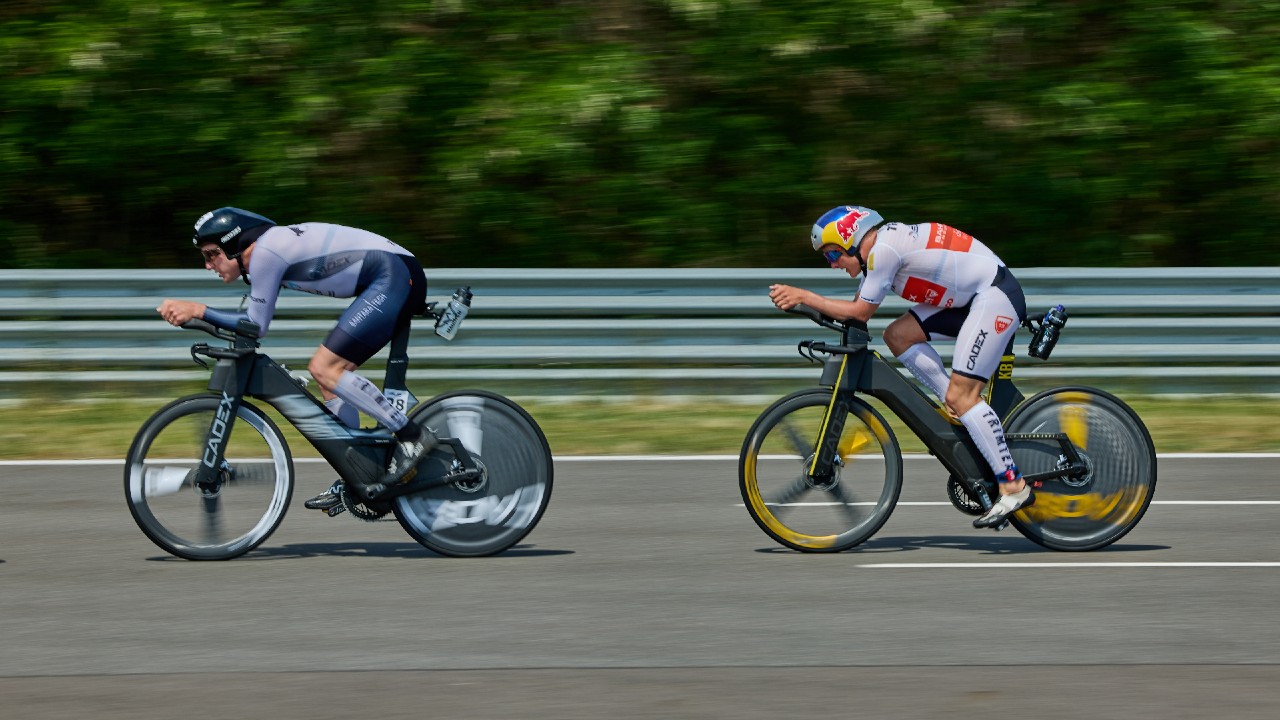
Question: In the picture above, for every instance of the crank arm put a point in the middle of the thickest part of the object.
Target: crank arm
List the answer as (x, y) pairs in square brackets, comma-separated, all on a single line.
[(1053, 474), (1075, 463), (460, 452), (420, 483)]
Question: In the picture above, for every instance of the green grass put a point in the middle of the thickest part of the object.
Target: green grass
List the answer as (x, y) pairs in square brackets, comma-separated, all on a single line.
[(103, 426)]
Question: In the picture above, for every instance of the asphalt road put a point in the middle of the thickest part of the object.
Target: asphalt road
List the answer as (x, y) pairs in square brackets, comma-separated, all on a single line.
[(646, 591)]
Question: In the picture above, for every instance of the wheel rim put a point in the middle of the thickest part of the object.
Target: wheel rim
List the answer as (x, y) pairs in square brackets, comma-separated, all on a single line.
[(226, 518), (825, 513)]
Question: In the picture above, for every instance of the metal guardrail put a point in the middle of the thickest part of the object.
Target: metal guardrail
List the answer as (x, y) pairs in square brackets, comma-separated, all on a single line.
[(1167, 330)]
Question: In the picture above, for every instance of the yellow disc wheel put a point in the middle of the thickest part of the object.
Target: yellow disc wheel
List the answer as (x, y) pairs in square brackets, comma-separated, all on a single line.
[(1107, 496)]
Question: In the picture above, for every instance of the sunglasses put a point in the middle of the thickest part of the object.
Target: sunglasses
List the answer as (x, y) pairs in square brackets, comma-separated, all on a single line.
[(211, 253), (833, 256)]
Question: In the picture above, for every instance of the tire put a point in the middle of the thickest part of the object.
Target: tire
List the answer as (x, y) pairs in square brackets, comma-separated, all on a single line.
[(773, 474), (215, 523), (1100, 507), (488, 517)]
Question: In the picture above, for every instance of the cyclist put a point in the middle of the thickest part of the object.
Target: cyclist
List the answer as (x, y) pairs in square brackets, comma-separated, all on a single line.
[(962, 291), (385, 279)]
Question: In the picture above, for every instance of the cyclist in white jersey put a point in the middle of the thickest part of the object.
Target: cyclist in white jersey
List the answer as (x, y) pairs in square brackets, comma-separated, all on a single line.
[(385, 279), (962, 291)]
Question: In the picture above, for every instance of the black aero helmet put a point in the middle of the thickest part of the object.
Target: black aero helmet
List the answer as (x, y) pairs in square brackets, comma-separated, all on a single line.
[(231, 229)]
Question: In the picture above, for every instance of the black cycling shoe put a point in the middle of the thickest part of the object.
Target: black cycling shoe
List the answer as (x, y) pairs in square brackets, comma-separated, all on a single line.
[(405, 458), (328, 499)]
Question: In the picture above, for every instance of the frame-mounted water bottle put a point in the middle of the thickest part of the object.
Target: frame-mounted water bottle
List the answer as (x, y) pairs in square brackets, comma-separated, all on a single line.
[(450, 319), (1046, 335)]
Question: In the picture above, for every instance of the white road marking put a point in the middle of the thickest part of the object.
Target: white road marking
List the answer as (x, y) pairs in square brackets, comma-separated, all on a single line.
[(947, 504), (1215, 502), (1026, 565)]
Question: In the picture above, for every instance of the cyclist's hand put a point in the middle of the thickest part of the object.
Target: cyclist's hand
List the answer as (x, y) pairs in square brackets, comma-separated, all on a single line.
[(786, 297), (176, 312)]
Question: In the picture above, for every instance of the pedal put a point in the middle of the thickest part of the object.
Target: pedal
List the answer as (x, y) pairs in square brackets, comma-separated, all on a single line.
[(462, 476), (336, 510)]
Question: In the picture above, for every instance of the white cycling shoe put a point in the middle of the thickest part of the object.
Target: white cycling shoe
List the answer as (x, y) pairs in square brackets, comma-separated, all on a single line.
[(1007, 505)]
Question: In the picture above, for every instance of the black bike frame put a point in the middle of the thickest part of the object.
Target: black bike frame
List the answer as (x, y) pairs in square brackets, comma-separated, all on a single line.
[(356, 454), (854, 368)]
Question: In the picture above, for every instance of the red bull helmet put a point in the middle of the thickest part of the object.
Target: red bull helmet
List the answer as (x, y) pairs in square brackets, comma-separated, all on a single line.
[(844, 226)]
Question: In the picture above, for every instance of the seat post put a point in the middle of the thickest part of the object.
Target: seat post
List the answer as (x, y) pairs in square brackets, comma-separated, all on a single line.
[(398, 363), (1002, 394)]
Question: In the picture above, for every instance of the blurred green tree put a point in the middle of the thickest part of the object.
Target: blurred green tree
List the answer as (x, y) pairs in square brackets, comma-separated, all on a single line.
[(642, 132)]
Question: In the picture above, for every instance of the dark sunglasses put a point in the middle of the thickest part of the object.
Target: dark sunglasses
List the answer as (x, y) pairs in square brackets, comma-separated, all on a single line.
[(834, 255), (211, 253)]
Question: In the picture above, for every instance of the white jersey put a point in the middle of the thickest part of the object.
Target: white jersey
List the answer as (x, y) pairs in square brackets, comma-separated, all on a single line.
[(316, 258), (929, 264)]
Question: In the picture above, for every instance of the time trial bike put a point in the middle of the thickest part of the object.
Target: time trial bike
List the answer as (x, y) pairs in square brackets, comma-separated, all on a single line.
[(820, 469), (210, 476)]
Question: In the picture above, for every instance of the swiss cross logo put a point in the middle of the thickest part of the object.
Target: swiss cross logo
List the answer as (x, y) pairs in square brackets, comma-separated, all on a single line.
[(1003, 323), (848, 224), (919, 290)]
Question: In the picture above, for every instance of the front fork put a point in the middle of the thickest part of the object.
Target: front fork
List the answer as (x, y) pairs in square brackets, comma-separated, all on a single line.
[(230, 378), (822, 469)]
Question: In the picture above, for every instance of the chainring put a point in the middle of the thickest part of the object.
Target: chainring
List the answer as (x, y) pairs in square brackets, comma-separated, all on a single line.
[(961, 499), (358, 509)]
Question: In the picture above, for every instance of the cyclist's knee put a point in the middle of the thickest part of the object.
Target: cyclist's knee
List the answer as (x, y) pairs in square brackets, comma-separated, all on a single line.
[(325, 372), (319, 373), (962, 394), (902, 334)]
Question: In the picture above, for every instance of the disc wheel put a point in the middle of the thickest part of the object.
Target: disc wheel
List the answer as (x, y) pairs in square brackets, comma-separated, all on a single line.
[(1105, 500), (222, 519), (815, 509), (489, 513)]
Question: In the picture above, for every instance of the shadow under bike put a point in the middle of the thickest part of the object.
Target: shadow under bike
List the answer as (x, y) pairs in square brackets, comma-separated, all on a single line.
[(210, 476), (820, 470)]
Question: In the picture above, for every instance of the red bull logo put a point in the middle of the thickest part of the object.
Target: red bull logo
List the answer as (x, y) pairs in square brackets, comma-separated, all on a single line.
[(847, 225)]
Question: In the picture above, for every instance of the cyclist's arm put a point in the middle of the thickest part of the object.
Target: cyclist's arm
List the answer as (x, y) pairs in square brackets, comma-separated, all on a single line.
[(177, 312), (267, 272), (787, 297), (857, 309), (225, 319)]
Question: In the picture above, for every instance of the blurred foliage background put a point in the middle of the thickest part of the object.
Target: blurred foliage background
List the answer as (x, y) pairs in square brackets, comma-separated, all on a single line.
[(591, 133)]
